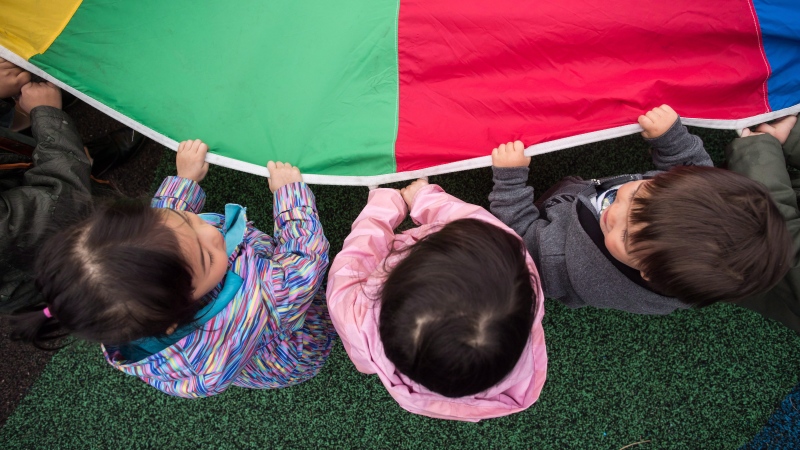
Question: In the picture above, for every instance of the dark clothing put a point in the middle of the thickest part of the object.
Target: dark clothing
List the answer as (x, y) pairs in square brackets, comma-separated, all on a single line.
[(562, 234), (34, 192), (762, 159)]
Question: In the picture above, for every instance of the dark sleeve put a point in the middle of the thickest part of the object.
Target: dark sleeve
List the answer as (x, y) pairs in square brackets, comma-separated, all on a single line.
[(791, 148), (511, 201), (677, 147), (57, 181), (761, 158)]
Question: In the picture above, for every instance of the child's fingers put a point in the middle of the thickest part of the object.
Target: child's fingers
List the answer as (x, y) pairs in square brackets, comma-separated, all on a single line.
[(666, 110), (196, 145), (765, 128), (645, 122), (654, 115), (519, 146)]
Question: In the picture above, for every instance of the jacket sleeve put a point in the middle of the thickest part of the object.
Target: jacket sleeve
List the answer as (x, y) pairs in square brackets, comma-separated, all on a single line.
[(432, 204), (301, 253), (511, 199), (54, 186), (677, 147), (368, 244), (179, 193), (761, 158)]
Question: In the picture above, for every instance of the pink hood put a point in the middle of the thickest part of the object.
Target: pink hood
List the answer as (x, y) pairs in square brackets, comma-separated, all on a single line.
[(353, 286)]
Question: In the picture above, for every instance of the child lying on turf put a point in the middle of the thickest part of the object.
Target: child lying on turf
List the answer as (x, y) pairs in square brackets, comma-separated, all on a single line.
[(651, 243), (192, 303), (448, 314), (763, 156)]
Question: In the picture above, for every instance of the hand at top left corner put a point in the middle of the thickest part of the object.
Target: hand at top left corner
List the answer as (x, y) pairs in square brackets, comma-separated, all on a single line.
[(12, 78), (191, 160)]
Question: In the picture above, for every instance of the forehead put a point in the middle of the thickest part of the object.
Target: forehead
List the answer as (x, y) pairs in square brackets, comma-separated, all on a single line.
[(179, 223), (638, 188)]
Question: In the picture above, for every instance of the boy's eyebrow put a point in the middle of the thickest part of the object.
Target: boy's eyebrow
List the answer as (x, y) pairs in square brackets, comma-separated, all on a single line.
[(628, 217)]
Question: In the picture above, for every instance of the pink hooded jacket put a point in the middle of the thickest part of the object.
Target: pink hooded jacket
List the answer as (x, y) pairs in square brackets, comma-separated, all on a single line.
[(353, 287)]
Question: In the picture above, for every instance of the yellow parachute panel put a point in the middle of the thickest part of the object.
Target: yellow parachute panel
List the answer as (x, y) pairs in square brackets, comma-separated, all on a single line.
[(28, 27)]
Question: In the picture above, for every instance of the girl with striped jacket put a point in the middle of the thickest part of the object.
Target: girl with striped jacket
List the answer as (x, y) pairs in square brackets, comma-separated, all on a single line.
[(192, 303)]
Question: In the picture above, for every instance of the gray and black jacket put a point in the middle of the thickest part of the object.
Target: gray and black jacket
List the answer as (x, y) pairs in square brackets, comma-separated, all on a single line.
[(564, 236), (35, 194)]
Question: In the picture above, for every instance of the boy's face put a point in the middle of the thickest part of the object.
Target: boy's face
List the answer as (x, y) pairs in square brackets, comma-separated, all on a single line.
[(615, 222), (203, 246)]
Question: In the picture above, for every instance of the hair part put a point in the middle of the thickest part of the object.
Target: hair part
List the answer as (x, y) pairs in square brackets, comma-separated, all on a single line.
[(116, 277), (457, 310), (709, 235)]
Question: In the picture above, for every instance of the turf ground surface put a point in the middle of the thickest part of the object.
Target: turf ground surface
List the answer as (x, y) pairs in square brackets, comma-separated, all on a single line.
[(708, 378)]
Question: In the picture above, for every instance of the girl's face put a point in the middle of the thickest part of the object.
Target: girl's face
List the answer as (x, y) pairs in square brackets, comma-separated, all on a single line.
[(203, 246)]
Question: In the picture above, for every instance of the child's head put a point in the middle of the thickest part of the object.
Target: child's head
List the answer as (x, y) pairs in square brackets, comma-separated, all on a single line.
[(457, 311), (700, 234), (127, 272)]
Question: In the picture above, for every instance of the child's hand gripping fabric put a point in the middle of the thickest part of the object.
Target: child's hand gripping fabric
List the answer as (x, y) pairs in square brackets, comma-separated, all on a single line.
[(191, 160), (409, 192), (657, 121), (779, 129), (511, 154), (281, 174)]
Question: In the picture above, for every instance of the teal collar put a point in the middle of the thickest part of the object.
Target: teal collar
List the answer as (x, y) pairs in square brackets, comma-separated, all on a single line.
[(233, 229)]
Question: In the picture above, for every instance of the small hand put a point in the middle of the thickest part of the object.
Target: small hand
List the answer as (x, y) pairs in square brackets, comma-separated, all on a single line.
[(191, 160), (411, 190), (12, 78), (779, 128), (657, 121), (281, 174), (511, 154), (39, 94)]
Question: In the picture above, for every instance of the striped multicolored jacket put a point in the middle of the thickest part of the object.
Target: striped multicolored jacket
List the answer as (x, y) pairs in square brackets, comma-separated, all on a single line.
[(276, 332)]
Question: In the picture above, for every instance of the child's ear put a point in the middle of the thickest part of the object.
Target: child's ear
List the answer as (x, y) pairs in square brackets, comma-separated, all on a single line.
[(644, 275)]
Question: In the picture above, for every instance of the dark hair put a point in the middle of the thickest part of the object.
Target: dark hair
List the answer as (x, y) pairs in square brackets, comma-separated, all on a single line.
[(116, 277), (457, 311), (709, 235)]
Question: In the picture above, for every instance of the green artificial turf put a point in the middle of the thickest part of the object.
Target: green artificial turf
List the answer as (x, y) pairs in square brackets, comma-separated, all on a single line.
[(705, 378)]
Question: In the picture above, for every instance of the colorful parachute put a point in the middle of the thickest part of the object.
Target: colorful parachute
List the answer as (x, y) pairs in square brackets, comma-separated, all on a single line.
[(366, 92)]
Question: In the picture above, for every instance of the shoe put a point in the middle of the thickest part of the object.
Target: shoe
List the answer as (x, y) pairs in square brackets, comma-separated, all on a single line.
[(114, 149)]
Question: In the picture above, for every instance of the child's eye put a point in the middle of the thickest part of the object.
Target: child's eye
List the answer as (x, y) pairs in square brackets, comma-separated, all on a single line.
[(624, 235), (210, 259)]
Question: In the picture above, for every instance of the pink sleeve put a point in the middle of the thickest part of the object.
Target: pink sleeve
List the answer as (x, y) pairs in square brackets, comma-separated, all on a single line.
[(368, 244), (432, 204)]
